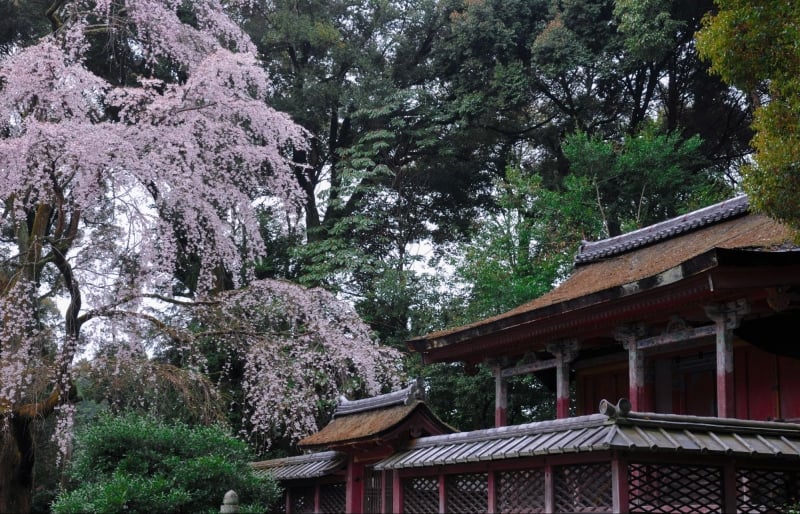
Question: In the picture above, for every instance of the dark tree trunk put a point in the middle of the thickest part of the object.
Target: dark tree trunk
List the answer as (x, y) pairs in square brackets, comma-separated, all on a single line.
[(18, 454)]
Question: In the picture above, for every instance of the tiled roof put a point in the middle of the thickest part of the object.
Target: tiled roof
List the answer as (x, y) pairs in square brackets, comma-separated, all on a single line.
[(644, 432), (657, 255), (313, 465), (593, 251)]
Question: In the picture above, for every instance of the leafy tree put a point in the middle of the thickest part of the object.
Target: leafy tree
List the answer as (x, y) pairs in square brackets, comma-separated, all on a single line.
[(381, 172), (753, 46), (644, 179), (134, 141), (141, 465)]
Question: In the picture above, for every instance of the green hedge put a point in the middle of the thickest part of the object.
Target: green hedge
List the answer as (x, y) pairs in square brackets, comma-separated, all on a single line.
[(136, 464)]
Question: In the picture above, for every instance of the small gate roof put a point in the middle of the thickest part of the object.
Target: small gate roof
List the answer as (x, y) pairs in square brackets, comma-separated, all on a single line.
[(612, 429), (386, 420)]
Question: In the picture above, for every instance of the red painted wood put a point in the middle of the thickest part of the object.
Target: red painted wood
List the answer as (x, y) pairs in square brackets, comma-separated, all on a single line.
[(762, 387), (562, 408), (619, 484), (635, 377), (699, 395), (549, 500), (397, 493), (442, 495), (741, 382), (789, 388), (354, 492), (492, 487), (593, 387), (725, 403), (729, 488)]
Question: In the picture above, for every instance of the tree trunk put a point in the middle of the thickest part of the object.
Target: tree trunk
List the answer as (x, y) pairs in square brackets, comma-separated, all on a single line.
[(18, 454), (17, 457)]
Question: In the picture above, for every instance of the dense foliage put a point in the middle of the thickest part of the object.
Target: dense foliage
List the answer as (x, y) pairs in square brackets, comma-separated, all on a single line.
[(753, 46), (141, 465), (136, 141)]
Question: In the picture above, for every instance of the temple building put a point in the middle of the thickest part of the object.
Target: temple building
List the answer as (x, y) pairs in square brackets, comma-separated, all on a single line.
[(680, 343)]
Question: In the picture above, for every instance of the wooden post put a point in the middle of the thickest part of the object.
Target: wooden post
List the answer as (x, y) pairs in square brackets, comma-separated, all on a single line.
[(491, 485), (729, 499), (354, 492), (442, 495), (397, 493), (638, 391), (500, 399), (549, 489), (619, 485), (726, 318), (565, 352)]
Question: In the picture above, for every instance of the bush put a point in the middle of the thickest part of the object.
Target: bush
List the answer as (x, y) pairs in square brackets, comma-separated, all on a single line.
[(141, 465)]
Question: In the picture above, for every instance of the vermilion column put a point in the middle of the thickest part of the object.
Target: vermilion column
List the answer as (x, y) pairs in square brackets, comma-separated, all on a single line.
[(354, 493), (565, 352), (638, 392), (726, 317)]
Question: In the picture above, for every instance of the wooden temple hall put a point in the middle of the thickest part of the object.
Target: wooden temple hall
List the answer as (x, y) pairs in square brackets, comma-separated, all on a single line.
[(689, 328)]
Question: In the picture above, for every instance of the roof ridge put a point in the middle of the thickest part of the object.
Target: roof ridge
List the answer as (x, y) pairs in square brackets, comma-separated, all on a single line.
[(297, 459), (591, 251), (508, 431), (405, 396)]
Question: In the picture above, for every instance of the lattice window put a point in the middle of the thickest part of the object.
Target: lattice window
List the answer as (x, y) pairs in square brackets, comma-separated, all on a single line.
[(467, 493), (583, 488), (332, 497), (372, 491), (421, 495), (301, 500), (674, 488), (521, 491), (762, 490)]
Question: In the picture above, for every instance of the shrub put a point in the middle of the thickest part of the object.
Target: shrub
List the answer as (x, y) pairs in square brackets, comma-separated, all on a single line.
[(138, 464)]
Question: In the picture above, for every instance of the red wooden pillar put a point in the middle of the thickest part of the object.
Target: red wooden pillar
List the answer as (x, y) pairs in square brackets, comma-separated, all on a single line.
[(640, 390), (727, 318), (549, 489), (500, 399), (442, 495), (354, 492), (619, 485), (397, 493), (491, 486), (565, 352), (636, 380)]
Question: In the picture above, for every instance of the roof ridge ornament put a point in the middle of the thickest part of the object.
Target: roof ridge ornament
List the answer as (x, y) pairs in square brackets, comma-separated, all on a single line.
[(620, 410)]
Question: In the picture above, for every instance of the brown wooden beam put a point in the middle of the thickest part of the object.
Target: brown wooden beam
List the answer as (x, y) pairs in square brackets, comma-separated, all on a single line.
[(676, 337), (531, 367)]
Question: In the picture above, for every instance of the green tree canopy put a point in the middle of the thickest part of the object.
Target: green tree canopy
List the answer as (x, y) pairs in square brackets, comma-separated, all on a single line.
[(753, 45)]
